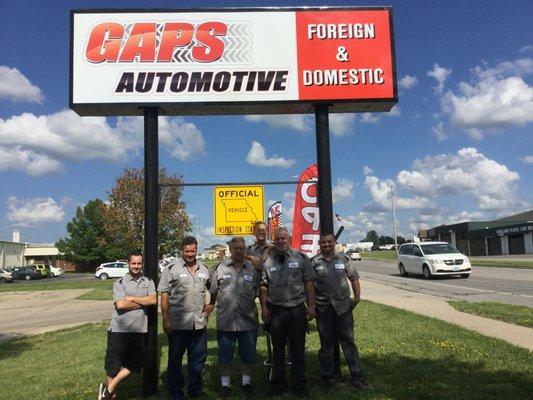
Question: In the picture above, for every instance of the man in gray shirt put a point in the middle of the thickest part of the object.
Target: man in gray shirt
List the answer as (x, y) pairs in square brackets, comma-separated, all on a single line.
[(183, 288), (234, 286), (334, 311), (258, 251), (286, 285), (129, 323)]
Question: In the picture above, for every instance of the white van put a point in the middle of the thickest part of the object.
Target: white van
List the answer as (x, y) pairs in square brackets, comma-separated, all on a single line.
[(432, 259)]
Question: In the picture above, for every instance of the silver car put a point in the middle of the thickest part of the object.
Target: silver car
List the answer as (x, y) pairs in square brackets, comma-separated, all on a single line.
[(5, 276)]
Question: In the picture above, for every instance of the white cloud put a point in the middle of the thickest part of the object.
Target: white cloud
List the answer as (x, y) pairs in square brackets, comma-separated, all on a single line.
[(380, 191), (343, 190), (440, 133), (490, 184), (497, 98), (407, 82), (372, 118), (527, 159), (28, 161), (44, 142), (341, 124), (257, 157), (33, 212), (520, 67), (15, 86), (465, 216), (367, 170), (440, 74), (526, 49), (297, 122)]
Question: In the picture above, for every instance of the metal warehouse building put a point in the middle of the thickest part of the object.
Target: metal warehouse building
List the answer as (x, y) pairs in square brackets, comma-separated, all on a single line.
[(509, 235)]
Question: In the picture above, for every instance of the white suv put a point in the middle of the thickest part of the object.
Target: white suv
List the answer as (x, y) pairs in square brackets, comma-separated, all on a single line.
[(432, 259), (115, 269)]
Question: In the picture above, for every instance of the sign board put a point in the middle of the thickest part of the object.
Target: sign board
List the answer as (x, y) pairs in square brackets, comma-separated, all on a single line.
[(237, 208), (232, 61)]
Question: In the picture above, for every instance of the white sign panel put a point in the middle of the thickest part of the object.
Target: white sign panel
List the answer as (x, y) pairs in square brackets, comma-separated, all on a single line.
[(224, 62)]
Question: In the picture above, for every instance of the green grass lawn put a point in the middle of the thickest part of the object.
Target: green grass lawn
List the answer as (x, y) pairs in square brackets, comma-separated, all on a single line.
[(386, 255), (58, 284), (405, 356), (519, 315)]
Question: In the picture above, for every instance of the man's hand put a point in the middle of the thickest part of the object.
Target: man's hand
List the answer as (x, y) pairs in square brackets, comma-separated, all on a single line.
[(208, 309), (167, 325), (310, 312), (353, 303), (265, 315)]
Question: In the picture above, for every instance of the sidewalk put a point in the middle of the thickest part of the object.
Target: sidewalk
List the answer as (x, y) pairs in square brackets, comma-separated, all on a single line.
[(437, 307)]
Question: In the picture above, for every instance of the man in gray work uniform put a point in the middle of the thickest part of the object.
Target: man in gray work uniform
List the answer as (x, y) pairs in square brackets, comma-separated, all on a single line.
[(334, 311), (234, 286), (257, 252), (126, 348), (183, 288), (286, 285)]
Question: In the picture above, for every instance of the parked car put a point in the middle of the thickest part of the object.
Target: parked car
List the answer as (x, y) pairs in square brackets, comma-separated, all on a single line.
[(355, 256), (56, 271), (5, 276), (26, 273), (44, 269), (111, 270), (432, 259)]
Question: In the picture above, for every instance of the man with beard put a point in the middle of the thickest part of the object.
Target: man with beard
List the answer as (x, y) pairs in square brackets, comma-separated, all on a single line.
[(334, 311), (183, 287)]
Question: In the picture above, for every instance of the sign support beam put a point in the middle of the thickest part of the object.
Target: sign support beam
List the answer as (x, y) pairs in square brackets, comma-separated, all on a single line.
[(151, 239), (325, 202)]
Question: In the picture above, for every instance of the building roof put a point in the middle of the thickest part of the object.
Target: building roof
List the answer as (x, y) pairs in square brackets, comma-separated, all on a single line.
[(520, 217)]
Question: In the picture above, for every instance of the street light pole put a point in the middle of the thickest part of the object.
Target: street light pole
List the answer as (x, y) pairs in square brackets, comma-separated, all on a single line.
[(394, 218)]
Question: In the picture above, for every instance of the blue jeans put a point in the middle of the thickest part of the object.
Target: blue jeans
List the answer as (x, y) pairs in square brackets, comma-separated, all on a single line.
[(247, 346), (195, 342)]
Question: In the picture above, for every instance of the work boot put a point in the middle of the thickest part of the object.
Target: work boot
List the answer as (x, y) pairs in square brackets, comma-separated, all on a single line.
[(358, 382), (224, 393), (248, 391)]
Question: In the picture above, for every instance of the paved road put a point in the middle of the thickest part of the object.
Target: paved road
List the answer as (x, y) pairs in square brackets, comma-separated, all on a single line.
[(70, 277), (506, 285)]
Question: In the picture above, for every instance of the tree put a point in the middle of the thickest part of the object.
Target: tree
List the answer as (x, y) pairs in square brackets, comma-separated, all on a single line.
[(86, 245), (385, 240), (373, 237), (124, 215), (400, 240)]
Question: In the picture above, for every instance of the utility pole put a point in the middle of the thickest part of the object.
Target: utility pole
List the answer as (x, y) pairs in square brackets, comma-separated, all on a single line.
[(394, 219)]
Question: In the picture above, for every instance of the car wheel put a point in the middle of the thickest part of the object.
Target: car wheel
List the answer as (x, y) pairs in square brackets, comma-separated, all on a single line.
[(3, 280), (402, 270), (426, 272), (27, 277), (465, 276), (104, 277)]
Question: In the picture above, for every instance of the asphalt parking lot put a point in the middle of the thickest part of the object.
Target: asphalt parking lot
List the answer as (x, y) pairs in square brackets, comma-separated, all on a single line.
[(69, 277)]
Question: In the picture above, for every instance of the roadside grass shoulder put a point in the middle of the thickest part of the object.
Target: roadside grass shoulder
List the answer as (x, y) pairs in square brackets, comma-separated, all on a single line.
[(388, 255), (405, 356), (58, 285), (519, 315)]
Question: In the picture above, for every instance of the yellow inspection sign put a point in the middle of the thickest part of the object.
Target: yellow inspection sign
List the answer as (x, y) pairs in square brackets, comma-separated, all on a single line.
[(237, 208)]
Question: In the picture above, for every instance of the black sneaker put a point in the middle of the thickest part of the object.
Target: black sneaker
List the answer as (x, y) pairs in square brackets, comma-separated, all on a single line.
[(248, 391), (224, 393), (302, 393), (359, 383), (103, 392)]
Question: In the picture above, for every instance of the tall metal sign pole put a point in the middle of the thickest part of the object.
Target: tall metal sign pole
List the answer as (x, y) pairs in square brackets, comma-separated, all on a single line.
[(325, 202), (151, 239)]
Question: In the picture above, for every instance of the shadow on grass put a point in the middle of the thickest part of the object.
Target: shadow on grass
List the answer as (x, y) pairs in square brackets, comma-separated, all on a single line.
[(393, 376), (12, 346)]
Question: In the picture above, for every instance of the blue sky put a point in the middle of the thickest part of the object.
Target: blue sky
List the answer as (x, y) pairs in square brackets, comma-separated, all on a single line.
[(458, 146)]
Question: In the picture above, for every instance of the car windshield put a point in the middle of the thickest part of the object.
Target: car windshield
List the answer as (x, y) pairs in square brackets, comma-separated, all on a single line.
[(441, 248)]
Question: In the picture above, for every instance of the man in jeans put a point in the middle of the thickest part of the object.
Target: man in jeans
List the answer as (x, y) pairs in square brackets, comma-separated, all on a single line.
[(286, 285), (183, 287), (126, 348), (234, 286), (334, 311)]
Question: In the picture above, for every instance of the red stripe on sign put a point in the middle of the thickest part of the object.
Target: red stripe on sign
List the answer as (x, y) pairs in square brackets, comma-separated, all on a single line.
[(344, 55)]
